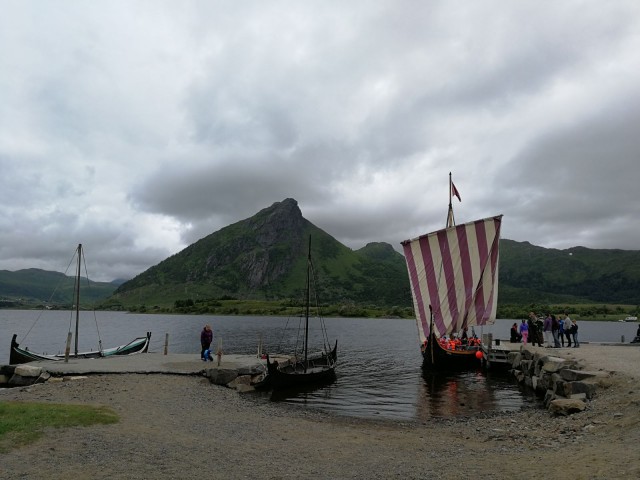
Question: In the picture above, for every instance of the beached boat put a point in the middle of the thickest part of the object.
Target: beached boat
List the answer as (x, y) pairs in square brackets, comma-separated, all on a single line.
[(304, 367), (19, 354), (631, 319), (454, 284)]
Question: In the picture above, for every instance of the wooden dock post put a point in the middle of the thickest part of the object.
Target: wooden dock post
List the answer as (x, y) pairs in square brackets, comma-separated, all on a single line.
[(219, 351), (166, 343), (67, 349)]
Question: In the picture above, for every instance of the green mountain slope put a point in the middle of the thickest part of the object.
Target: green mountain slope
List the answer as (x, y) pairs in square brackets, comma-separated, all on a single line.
[(264, 257), (32, 285), (576, 275)]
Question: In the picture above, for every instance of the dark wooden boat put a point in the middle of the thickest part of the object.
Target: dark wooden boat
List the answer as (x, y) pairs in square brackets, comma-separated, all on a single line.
[(454, 284), (304, 368), (19, 354), (436, 356)]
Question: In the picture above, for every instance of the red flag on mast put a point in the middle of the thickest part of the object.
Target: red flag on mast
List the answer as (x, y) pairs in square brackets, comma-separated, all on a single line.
[(454, 191)]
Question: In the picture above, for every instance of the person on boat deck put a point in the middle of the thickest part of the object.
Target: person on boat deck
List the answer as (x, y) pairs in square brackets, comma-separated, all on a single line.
[(206, 339), (567, 324), (464, 338), (524, 331), (515, 335)]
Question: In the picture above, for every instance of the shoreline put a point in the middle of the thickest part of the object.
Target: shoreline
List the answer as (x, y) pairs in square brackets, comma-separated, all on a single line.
[(178, 427)]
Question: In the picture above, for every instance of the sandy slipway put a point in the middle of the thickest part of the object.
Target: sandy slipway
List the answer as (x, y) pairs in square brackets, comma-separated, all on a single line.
[(178, 426)]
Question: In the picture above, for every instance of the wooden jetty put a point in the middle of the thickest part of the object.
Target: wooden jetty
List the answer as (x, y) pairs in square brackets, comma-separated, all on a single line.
[(495, 352)]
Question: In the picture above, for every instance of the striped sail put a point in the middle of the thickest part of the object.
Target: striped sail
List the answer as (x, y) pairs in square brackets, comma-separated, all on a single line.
[(455, 270)]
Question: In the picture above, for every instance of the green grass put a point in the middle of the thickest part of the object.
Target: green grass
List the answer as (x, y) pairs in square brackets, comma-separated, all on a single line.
[(22, 423)]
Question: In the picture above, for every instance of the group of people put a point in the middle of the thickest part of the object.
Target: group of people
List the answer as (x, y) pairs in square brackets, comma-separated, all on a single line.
[(458, 342), (550, 332)]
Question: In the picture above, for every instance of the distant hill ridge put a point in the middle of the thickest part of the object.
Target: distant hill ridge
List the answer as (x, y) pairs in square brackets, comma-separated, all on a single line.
[(43, 286), (264, 257)]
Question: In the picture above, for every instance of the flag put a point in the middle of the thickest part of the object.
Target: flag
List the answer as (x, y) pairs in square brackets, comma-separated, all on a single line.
[(454, 191)]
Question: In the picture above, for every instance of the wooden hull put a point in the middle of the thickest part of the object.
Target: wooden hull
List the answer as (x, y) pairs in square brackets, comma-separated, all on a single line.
[(19, 355), (320, 369), (441, 359)]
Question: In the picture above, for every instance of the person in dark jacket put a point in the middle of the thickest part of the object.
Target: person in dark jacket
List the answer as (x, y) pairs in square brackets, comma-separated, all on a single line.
[(206, 339), (535, 329), (515, 335), (574, 334), (555, 331)]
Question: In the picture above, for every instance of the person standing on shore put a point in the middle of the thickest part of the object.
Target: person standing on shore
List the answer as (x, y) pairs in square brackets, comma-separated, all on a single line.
[(516, 336), (561, 331), (535, 329), (539, 328), (574, 334), (547, 330), (206, 339), (524, 331), (567, 324), (555, 328)]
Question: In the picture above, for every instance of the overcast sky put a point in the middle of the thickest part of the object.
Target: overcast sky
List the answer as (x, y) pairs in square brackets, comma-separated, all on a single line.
[(138, 127)]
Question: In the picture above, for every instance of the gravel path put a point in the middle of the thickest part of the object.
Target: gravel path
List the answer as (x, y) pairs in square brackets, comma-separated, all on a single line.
[(178, 427)]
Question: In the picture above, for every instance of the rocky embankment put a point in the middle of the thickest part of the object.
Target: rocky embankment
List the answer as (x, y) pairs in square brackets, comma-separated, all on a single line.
[(563, 383)]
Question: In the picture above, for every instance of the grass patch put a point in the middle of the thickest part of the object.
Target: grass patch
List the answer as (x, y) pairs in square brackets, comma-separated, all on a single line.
[(22, 423)]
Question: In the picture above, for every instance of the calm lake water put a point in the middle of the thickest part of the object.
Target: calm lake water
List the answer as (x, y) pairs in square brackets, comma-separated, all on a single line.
[(379, 364)]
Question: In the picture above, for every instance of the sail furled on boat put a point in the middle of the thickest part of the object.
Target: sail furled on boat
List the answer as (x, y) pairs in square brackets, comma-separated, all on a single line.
[(455, 270)]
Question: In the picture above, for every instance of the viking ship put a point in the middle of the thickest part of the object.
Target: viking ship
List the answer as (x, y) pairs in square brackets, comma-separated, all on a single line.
[(305, 367), (19, 354), (453, 274)]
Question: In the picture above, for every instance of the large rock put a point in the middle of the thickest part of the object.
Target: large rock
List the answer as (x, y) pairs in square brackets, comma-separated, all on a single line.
[(28, 371), (515, 359), (571, 375), (553, 364), (23, 381), (567, 389), (566, 406), (525, 365), (239, 380), (221, 376)]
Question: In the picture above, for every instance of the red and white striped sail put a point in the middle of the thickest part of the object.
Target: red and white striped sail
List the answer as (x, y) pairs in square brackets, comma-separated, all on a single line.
[(455, 270)]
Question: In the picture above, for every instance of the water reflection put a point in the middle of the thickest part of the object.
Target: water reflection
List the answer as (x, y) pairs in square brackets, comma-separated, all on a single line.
[(455, 394), (303, 394)]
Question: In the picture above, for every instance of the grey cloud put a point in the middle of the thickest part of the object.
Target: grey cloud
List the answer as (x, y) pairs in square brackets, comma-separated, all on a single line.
[(139, 128)]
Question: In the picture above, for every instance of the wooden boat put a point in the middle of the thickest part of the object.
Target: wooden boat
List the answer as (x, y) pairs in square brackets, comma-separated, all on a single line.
[(304, 368), (454, 284), (19, 355)]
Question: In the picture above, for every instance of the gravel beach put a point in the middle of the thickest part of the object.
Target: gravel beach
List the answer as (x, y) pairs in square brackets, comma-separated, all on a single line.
[(184, 427)]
